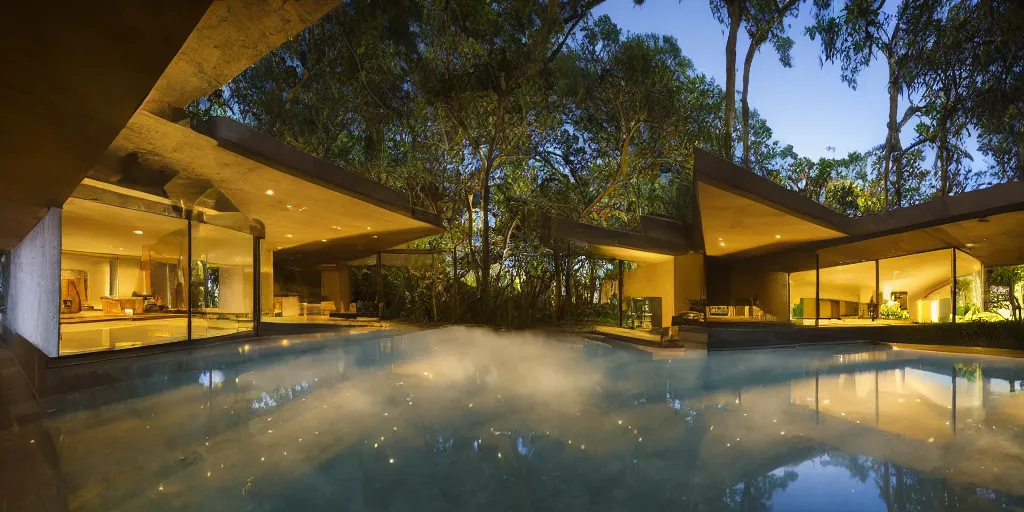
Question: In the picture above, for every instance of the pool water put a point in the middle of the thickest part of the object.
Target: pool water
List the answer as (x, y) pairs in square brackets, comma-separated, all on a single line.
[(470, 419)]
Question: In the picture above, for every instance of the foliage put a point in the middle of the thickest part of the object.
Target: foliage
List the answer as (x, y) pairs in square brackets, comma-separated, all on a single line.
[(494, 115), (798, 311), (890, 310)]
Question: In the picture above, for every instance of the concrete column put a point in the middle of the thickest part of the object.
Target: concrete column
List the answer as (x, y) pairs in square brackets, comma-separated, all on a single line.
[(33, 303)]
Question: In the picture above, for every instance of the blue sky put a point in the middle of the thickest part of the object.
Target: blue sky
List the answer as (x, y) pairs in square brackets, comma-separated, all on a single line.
[(807, 105)]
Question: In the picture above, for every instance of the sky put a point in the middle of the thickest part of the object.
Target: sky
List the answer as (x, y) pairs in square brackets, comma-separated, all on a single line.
[(807, 105)]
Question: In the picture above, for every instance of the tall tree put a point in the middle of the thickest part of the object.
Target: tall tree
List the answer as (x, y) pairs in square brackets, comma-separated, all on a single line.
[(765, 22), (730, 13), (856, 35)]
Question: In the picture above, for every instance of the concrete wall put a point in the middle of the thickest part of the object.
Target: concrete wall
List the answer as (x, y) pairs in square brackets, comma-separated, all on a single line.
[(653, 280), (689, 281), (34, 302)]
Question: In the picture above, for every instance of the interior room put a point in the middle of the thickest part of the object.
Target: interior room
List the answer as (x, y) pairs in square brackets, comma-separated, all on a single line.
[(845, 294), (123, 277), (126, 279)]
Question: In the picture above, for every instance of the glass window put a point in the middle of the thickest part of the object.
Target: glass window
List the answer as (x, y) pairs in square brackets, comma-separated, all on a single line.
[(123, 275), (846, 294), (969, 285), (916, 288), (221, 284), (801, 297)]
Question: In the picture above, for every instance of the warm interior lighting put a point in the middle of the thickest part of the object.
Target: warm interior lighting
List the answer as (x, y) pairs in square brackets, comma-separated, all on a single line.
[(970, 245), (270, 192), (323, 240), (137, 231), (778, 237), (935, 311), (289, 236), (368, 228)]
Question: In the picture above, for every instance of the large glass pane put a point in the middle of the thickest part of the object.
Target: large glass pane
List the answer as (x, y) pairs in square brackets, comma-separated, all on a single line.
[(801, 297), (916, 288), (969, 287), (123, 275), (221, 282), (847, 294)]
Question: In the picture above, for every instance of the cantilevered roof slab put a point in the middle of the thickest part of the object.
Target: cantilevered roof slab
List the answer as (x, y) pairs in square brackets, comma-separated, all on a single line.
[(735, 224), (232, 35), (662, 239), (303, 203), (996, 240), (743, 213), (74, 73)]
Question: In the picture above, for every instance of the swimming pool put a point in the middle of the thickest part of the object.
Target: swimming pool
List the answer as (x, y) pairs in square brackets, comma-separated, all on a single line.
[(469, 419)]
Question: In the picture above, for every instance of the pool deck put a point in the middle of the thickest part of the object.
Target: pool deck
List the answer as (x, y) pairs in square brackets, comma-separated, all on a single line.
[(733, 336)]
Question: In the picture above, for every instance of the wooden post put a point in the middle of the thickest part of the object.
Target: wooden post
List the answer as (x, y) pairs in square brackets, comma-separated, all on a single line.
[(817, 288), (952, 288), (622, 296), (380, 289), (878, 294)]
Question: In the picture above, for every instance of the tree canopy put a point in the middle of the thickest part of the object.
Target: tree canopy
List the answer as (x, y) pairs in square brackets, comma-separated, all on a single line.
[(493, 114)]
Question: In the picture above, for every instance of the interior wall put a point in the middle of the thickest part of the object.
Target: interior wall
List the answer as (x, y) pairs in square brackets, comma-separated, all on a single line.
[(128, 276), (33, 307), (689, 281), (97, 268), (768, 289), (653, 280)]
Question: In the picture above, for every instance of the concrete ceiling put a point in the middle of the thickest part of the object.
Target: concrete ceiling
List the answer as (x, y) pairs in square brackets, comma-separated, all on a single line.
[(232, 35), (73, 74), (299, 214), (995, 240), (96, 228), (733, 223)]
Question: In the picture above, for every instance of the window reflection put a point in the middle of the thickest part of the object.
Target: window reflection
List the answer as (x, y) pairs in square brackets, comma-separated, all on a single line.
[(916, 288), (221, 284), (122, 278)]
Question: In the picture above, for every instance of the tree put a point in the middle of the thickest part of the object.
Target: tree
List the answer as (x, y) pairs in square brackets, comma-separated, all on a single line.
[(730, 13), (856, 36), (765, 23)]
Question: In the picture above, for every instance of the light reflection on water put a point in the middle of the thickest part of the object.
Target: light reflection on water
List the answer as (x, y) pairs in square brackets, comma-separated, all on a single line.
[(470, 419)]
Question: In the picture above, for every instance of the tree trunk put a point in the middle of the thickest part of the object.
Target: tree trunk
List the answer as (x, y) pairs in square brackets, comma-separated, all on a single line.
[(735, 10), (747, 61), (890, 138), (485, 206)]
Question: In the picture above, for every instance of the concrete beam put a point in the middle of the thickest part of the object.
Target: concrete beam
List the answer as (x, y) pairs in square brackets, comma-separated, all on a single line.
[(231, 37), (71, 75)]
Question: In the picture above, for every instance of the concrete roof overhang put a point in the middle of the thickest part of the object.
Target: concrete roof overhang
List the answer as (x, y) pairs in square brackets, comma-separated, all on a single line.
[(75, 72), (84, 68), (988, 223), (310, 210), (661, 239)]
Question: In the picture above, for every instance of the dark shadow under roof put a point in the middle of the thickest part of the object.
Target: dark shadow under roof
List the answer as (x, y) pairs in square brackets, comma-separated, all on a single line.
[(661, 239), (986, 222)]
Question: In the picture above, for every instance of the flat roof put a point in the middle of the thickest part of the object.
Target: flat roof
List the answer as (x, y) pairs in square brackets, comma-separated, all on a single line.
[(661, 239), (988, 223), (305, 204)]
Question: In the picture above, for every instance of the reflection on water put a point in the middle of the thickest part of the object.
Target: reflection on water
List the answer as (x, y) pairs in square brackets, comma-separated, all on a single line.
[(473, 420)]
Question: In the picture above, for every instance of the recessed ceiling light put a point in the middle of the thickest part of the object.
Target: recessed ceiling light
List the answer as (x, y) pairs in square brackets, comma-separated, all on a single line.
[(288, 206), (279, 248), (721, 244), (970, 245), (137, 231), (778, 237), (323, 240), (289, 236), (375, 236), (270, 192), (120, 248), (368, 228)]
